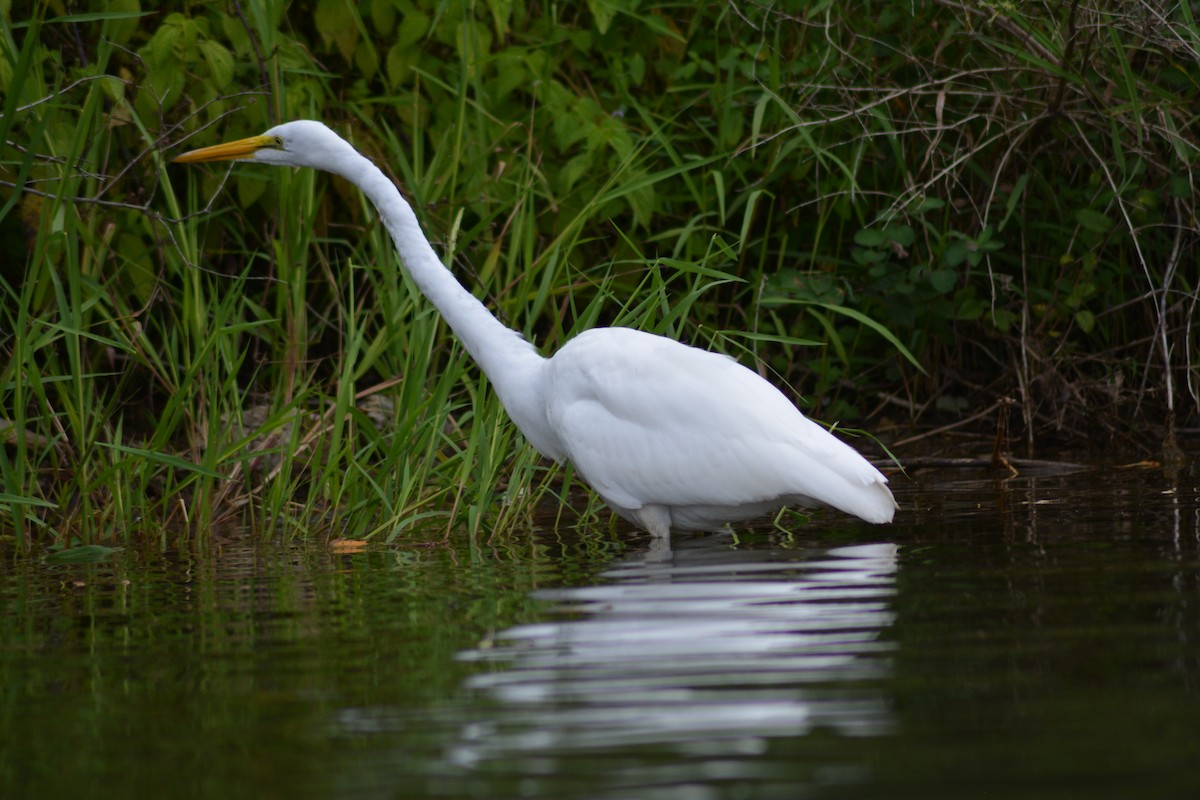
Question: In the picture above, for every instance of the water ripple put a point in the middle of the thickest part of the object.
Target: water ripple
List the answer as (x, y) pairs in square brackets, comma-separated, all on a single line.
[(698, 650)]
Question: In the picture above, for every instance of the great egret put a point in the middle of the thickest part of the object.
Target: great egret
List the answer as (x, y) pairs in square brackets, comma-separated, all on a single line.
[(668, 435)]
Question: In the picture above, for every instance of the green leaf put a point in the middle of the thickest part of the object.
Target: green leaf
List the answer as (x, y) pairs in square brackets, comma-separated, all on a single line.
[(902, 235), (165, 459), (220, 62), (1180, 186), (1014, 197), (635, 67), (383, 16), (336, 22), (575, 169), (413, 29), (603, 11), (868, 256), (971, 309), (122, 16), (473, 41), (858, 316), (400, 59), (642, 202), (366, 60), (501, 14), (99, 16), (694, 268), (1093, 221), (96, 337), (113, 87), (943, 280), (773, 338), (11, 500), (748, 215), (928, 204), (870, 237), (1085, 319), (955, 253), (161, 47), (1004, 319)]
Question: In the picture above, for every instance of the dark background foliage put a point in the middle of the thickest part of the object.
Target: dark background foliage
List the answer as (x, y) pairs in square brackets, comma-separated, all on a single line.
[(1002, 193)]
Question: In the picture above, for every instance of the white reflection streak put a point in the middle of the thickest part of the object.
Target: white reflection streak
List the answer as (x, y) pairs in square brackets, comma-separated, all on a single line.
[(693, 654)]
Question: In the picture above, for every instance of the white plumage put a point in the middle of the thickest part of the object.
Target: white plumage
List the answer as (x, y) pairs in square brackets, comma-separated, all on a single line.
[(668, 435)]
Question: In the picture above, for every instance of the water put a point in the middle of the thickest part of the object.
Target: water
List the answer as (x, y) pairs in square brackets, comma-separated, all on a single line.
[(1035, 637)]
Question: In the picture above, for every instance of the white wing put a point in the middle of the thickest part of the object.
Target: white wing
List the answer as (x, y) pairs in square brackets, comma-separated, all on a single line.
[(647, 420)]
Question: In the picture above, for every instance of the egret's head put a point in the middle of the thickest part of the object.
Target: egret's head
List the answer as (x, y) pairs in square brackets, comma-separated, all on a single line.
[(303, 143)]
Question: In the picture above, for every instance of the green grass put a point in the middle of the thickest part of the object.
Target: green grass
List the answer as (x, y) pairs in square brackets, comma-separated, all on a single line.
[(922, 208)]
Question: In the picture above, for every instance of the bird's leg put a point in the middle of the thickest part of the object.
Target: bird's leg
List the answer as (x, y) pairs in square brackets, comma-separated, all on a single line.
[(655, 519)]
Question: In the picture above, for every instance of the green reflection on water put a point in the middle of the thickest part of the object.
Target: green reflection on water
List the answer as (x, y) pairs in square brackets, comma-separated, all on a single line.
[(227, 676), (1044, 643)]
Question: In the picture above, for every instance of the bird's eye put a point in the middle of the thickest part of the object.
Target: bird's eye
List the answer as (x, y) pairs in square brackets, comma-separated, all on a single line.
[(277, 143)]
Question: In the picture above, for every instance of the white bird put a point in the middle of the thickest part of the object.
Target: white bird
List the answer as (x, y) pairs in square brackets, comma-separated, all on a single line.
[(670, 436)]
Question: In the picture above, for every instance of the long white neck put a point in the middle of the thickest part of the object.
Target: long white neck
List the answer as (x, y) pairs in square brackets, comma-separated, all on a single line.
[(511, 363)]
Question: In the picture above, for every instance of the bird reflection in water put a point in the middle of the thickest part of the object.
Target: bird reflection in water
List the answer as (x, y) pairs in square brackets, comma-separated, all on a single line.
[(702, 652)]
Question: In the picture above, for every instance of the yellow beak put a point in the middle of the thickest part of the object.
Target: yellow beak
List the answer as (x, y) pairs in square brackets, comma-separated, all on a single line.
[(229, 151)]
